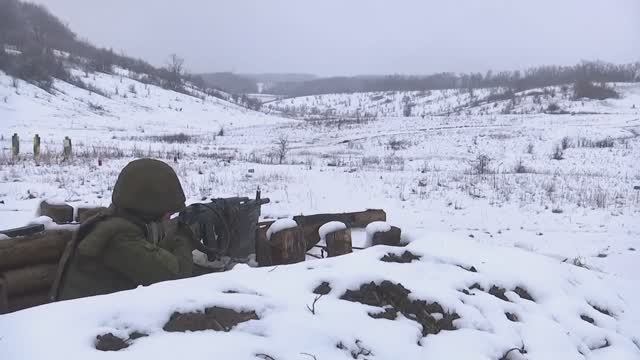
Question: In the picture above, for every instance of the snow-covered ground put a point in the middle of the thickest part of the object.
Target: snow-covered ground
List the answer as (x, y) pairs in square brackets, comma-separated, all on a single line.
[(566, 231)]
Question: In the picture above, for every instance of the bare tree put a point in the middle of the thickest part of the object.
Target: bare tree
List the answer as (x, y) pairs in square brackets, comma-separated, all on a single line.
[(175, 68), (282, 148), (175, 65)]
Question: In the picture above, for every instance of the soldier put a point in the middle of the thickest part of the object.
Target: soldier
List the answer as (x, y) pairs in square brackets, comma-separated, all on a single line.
[(132, 242)]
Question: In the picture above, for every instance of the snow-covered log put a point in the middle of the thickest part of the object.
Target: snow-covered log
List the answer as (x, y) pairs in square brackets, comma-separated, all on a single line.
[(287, 245), (337, 237), (381, 233), (311, 223)]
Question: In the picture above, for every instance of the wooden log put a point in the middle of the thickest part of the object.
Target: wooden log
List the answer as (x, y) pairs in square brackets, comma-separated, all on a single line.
[(4, 297), (311, 223), (287, 246), (45, 247), (339, 242), (390, 238), (59, 213), (22, 302), (87, 212), (29, 279), (263, 248)]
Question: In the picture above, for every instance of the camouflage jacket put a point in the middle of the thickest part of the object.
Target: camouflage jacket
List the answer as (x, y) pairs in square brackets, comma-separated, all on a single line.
[(112, 253)]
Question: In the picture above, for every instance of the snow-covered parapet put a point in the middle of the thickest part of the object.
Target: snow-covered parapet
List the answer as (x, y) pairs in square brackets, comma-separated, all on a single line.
[(374, 228), (280, 225), (330, 228)]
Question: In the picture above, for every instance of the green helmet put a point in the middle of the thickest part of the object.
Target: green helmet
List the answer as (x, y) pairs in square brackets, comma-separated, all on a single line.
[(149, 188)]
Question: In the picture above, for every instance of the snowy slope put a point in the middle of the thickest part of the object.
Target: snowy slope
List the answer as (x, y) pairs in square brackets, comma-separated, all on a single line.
[(129, 108), (456, 101)]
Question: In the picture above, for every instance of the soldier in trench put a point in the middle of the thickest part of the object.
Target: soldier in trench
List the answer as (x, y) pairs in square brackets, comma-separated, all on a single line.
[(132, 242)]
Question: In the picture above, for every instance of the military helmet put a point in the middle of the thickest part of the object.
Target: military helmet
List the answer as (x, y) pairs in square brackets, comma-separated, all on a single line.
[(149, 188)]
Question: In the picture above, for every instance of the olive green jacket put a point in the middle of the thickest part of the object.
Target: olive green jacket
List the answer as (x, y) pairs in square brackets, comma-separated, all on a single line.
[(113, 253)]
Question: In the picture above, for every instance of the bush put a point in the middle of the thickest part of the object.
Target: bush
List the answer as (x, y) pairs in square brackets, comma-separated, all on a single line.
[(607, 142), (180, 138), (565, 142), (558, 152), (481, 164), (519, 168), (553, 107), (586, 89), (395, 144)]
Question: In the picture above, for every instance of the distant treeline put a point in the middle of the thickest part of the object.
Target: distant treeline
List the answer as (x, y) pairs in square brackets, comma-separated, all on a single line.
[(34, 33), (514, 80)]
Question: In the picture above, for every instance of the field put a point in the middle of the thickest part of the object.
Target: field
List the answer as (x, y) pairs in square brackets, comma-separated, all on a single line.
[(546, 202)]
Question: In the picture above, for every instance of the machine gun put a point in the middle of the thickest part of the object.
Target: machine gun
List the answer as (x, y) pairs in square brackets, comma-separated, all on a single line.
[(225, 227)]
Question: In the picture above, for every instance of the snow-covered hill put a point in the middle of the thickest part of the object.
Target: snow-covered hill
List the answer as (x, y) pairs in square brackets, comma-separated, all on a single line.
[(457, 102), (118, 106)]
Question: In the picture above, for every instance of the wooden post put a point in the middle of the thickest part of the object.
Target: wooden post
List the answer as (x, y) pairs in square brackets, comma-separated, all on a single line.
[(42, 248), (288, 246), (390, 238), (36, 146), (59, 213), (15, 145), (339, 242), (66, 149)]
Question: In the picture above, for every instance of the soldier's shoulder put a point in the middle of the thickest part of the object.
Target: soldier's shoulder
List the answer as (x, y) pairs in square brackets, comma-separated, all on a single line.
[(113, 225)]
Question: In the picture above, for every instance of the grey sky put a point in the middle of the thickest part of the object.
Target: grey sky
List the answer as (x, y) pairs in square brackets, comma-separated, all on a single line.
[(348, 37)]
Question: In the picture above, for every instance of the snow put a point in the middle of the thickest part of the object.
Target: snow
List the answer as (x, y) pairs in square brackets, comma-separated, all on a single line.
[(549, 327), (566, 230), (374, 228), (330, 228), (280, 225)]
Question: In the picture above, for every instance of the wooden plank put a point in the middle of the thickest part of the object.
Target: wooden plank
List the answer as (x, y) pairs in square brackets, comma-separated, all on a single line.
[(26, 301), (29, 279), (46, 247), (339, 242), (59, 213)]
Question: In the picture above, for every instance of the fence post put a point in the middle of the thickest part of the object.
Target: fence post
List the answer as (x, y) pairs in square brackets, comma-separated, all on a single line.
[(36, 146), (15, 145), (66, 152)]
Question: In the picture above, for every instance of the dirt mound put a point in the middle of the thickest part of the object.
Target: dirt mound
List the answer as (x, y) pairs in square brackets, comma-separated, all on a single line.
[(395, 298), (405, 258), (213, 318)]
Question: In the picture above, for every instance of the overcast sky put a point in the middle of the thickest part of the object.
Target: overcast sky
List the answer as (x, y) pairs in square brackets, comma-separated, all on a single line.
[(348, 37)]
